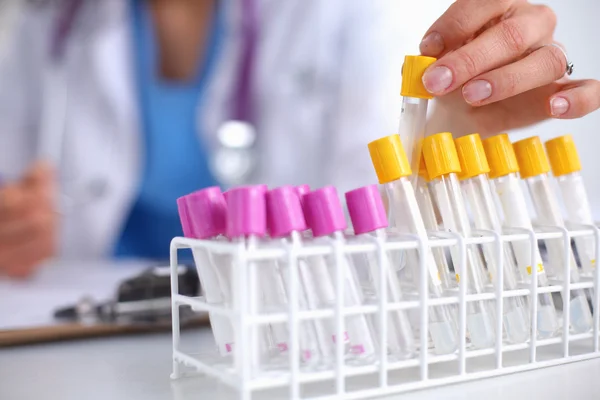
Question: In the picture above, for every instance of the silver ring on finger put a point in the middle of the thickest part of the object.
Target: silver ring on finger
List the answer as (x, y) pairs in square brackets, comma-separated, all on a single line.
[(569, 66)]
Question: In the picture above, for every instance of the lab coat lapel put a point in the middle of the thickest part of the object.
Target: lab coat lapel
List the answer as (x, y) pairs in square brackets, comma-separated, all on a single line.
[(103, 125)]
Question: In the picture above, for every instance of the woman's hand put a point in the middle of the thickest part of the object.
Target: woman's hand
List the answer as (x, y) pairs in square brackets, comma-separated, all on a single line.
[(27, 222), (495, 70)]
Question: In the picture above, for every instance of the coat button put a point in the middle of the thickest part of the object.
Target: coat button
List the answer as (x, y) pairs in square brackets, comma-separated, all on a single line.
[(97, 188)]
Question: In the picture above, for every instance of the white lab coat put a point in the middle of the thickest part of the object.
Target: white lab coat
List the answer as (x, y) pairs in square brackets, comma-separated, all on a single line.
[(325, 83)]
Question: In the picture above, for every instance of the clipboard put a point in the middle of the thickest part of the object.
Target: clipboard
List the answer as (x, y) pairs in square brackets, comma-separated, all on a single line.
[(27, 307)]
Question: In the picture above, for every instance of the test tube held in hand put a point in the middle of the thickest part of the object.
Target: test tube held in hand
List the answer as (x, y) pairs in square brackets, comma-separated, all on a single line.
[(443, 166), (202, 216), (414, 107), (535, 167), (369, 221)]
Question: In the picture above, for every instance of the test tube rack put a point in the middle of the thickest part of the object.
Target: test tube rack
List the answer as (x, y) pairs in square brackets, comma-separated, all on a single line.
[(384, 376)]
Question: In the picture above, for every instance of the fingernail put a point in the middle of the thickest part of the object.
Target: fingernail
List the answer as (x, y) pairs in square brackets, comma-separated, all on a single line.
[(476, 91), (437, 80), (432, 44), (559, 106)]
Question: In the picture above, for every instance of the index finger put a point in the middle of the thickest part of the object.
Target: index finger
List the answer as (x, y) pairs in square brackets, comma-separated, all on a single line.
[(459, 23)]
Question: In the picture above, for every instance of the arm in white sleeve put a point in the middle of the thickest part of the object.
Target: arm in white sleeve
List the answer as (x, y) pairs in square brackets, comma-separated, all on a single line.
[(21, 68)]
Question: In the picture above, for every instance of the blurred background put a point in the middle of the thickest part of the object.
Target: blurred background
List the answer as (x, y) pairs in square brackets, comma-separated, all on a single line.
[(79, 89), (75, 77)]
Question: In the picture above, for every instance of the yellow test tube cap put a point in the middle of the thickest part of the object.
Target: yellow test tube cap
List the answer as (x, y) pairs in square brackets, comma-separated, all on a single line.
[(389, 158), (423, 169), (440, 155), (500, 156), (563, 155), (471, 156), (412, 76), (531, 157)]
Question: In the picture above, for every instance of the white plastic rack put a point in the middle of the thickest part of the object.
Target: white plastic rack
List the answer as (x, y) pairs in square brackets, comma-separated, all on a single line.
[(384, 376)]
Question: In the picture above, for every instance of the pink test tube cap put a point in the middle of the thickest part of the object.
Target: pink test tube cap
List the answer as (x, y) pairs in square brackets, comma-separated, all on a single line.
[(302, 190), (323, 211), (207, 212), (284, 212), (184, 217), (226, 193), (366, 209), (246, 211)]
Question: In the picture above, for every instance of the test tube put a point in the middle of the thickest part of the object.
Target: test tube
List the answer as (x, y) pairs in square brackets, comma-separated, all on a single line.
[(504, 175), (247, 225), (393, 170), (202, 216), (476, 188), (442, 164), (414, 107), (534, 167), (285, 221), (301, 190), (327, 221), (430, 219), (369, 221), (566, 167), (319, 282)]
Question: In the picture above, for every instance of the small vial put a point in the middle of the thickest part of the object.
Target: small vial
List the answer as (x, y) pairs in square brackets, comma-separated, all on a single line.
[(566, 167), (415, 99), (285, 221), (369, 221), (247, 224), (534, 167), (504, 174), (202, 216), (430, 219), (325, 216), (477, 191), (393, 171), (442, 165), (319, 285)]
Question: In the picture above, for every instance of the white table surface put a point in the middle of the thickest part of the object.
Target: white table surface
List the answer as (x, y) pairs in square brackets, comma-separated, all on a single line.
[(138, 367)]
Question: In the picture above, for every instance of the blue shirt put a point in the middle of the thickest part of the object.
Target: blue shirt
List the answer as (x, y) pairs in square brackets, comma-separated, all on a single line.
[(175, 158)]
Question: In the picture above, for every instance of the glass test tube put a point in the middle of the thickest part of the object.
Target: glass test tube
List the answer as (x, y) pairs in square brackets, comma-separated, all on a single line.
[(369, 220), (566, 167), (325, 216), (430, 219), (246, 224), (393, 170), (442, 166), (285, 221), (504, 174), (320, 290), (476, 188), (208, 205), (414, 107), (534, 167)]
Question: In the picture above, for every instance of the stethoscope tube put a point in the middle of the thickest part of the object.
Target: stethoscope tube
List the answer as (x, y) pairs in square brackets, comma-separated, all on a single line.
[(232, 162)]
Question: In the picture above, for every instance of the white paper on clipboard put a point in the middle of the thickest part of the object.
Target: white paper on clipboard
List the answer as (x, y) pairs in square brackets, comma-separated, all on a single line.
[(31, 303)]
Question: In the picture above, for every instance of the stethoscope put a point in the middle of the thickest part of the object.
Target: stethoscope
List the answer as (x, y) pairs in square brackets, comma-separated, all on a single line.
[(232, 161), (235, 157)]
